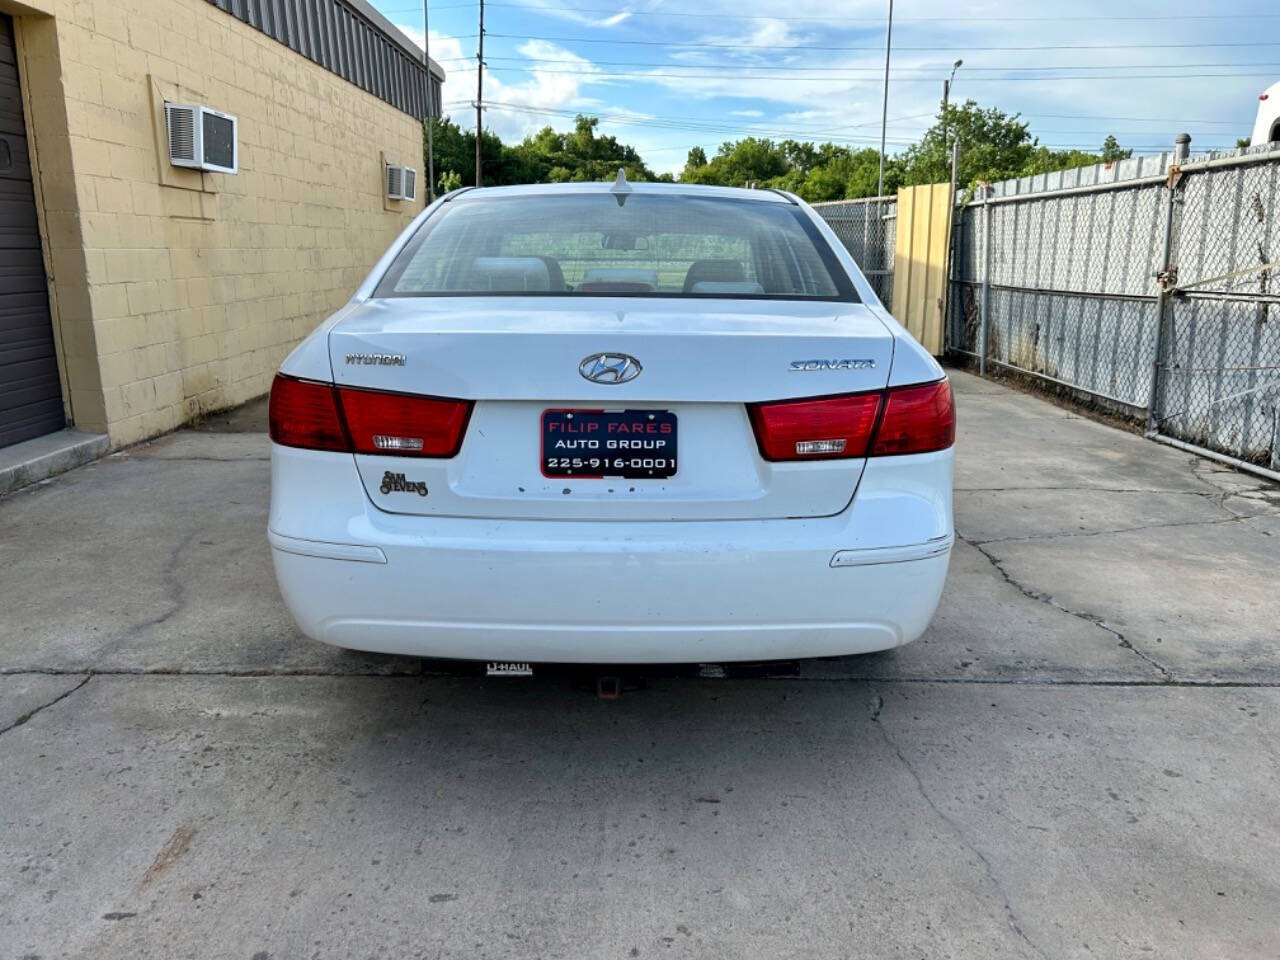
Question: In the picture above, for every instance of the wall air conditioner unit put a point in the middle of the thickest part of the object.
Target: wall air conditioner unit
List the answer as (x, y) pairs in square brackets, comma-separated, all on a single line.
[(201, 138), (402, 182)]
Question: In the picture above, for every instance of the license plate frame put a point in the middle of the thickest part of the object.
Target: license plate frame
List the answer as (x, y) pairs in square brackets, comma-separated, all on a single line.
[(630, 444)]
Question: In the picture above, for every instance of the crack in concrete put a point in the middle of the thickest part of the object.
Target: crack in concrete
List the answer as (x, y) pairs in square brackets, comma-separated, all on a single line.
[(1086, 488), (1041, 597), (1234, 518), (230, 672), (174, 587), (1208, 471), (164, 459), (1255, 491), (45, 706), (1011, 916), (1210, 684)]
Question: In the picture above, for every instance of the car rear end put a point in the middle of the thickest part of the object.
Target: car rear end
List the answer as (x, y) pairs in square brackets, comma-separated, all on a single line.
[(675, 428)]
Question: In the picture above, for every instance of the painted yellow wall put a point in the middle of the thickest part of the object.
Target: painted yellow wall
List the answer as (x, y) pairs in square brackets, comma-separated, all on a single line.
[(920, 261), (178, 292)]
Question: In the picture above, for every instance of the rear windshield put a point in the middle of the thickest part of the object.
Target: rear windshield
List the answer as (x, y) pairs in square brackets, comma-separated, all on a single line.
[(585, 245)]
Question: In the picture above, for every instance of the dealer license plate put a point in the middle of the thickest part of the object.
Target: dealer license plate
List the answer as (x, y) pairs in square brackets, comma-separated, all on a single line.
[(632, 444)]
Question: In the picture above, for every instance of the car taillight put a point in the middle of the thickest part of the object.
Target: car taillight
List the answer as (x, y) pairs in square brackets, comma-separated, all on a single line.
[(403, 424), (917, 419), (901, 420), (824, 429), (320, 416), (303, 413)]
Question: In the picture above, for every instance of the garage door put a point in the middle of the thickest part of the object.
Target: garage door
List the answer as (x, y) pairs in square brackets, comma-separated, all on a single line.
[(30, 394)]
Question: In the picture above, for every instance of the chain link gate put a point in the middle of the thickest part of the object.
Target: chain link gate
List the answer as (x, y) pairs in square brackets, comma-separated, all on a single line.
[(1066, 279), (867, 228), (1219, 365)]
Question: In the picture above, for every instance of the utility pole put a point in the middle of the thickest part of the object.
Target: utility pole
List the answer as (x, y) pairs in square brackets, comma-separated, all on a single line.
[(480, 98), (431, 102), (944, 302), (884, 110)]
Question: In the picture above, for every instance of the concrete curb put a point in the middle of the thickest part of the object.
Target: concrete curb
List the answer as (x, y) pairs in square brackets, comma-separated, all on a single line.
[(34, 460)]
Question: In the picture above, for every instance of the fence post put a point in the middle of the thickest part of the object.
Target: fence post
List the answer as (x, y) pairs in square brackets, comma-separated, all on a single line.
[(986, 279), (866, 237), (944, 306), (1181, 150)]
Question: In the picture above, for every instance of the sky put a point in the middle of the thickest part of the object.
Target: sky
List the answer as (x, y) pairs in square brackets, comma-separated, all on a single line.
[(667, 75)]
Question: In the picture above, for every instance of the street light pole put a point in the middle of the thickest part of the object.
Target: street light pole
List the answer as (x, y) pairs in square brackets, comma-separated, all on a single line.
[(946, 96), (431, 121), (480, 99), (884, 110)]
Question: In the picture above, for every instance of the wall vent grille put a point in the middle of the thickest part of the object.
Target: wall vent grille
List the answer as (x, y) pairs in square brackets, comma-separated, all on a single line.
[(395, 181), (181, 120)]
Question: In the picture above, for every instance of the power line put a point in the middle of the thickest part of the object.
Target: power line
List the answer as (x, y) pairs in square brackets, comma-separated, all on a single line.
[(669, 123), (587, 74), (748, 126), (1170, 120), (842, 19), (964, 49), (931, 72), (1202, 121), (711, 125), (435, 6)]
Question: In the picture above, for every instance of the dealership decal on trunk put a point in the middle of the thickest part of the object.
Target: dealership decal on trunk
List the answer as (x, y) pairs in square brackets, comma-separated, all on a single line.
[(805, 366), (396, 483)]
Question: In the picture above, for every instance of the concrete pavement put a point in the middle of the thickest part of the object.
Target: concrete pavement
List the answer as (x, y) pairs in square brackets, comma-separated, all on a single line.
[(1078, 760)]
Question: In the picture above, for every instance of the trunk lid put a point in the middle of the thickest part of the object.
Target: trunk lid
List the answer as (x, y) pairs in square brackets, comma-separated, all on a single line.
[(701, 360)]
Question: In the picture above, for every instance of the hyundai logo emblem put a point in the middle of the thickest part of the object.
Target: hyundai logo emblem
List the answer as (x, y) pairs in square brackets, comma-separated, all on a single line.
[(610, 368)]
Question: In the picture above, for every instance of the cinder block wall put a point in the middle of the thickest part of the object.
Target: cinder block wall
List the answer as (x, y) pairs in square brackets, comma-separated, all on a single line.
[(178, 292)]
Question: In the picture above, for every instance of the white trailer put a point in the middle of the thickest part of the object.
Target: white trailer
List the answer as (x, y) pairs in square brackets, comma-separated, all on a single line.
[(1266, 129)]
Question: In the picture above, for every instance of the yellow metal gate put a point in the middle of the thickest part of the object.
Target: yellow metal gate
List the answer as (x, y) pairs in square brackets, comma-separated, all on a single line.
[(920, 261)]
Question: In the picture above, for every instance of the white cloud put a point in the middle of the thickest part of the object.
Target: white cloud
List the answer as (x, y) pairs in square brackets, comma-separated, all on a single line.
[(561, 11), (509, 106), (756, 90)]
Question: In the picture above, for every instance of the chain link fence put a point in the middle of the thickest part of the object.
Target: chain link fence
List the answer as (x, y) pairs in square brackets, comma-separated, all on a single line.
[(867, 228), (1068, 282), (1219, 384), (1083, 278)]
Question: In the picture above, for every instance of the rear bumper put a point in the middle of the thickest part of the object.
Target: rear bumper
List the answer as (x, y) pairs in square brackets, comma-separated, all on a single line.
[(633, 592)]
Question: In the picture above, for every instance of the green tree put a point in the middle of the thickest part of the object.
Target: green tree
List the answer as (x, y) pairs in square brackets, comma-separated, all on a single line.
[(697, 158), (738, 163), (1112, 151), (994, 145), (839, 173), (449, 180), (544, 157), (580, 154), (1044, 160), (454, 150)]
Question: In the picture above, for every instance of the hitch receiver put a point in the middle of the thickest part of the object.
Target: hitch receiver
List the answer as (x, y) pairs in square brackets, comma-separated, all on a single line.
[(608, 688)]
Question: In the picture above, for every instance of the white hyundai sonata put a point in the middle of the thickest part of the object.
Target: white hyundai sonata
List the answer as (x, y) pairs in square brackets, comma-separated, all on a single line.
[(647, 423)]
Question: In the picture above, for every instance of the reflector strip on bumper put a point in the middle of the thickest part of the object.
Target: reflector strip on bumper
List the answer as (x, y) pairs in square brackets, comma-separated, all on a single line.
[(327, 551), (915, 551)]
